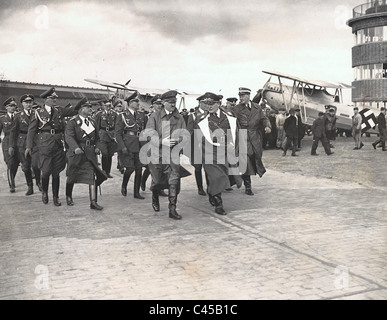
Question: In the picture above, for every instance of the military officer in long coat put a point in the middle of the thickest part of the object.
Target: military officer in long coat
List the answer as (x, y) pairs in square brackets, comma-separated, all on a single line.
[(164, 132), (252, 119), (18, 135), (48, 123), (193, 119), (7, 122), (82, 138), (219, 134), (129, 125)]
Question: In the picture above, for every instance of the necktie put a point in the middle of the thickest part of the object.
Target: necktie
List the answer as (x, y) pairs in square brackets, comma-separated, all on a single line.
[(11, 117), (87, 122)]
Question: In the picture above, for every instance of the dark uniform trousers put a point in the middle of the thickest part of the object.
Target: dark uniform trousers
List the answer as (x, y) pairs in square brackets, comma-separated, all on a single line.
[(12, 161), (29, 163), (127, 130), (193, 119), (105, 125), (49, 128)]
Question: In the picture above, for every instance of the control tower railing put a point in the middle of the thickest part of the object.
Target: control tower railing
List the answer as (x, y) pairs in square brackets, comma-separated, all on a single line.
[(371, 7)]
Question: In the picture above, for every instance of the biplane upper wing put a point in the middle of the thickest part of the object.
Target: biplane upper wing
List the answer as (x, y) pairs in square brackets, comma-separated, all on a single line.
[(318, 83), (107, 84)]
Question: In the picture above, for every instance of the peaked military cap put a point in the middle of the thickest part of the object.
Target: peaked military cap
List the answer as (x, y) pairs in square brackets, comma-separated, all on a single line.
[(27, 97), (132, 97), (10, 101), (243, 90), (155, 99), (80, 103), (210, 97), (50, 93), (220, 97), (234, 100), (117, 103), (200, 98), (169, 95)]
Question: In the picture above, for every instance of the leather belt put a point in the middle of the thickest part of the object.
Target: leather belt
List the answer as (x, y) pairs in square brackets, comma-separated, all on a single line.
[(87, 143), (131, 133), (23, 132), (51, 131), (107, 129)]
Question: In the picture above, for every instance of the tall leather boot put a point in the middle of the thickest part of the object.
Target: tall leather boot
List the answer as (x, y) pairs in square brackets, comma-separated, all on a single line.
[(30, 183), (144, 177), (125, 180), (109, 166), (212, 200), (247, 181), (45, 182), (384, 146), (137, 183), (173, 192), (55, 191), (37, 178), (155, 200), (93, 193), (11, 181), (69, 194), (199, 182), (219, 205), (106, 165)]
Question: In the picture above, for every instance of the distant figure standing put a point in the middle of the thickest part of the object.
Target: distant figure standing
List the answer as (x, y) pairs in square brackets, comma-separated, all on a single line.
[(319, 133), (356, 128), (291, 131), (330, 126), (281, 136), (382, 130), (301, 128)]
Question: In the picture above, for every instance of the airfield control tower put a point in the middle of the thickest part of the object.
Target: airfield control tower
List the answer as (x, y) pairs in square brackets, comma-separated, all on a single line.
[(369, 55)]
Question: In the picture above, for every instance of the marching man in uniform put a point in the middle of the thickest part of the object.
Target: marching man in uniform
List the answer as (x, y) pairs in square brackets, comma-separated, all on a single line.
[(128, 128), (7, 122), (105, 122), (82, 137), (49, 125), (252, 118), (216, 146), (163, 130), (19, 137)]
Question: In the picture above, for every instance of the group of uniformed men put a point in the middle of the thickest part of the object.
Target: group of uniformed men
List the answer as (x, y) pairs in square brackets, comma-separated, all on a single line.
[(44, 139)]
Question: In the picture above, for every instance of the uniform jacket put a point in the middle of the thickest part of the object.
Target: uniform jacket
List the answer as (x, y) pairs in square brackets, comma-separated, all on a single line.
[(105, 123), (6, 125), (357, 121), (126, 124), (382, 121), (254, 122), (318, 128), (44, 121), (291, 128), (158, 122), (19, 131)]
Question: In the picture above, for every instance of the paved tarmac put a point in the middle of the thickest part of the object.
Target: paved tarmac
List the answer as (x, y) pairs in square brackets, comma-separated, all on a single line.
[(315, 229)]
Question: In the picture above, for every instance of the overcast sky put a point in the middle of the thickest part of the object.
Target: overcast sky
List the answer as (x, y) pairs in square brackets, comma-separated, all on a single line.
[(196, 45)]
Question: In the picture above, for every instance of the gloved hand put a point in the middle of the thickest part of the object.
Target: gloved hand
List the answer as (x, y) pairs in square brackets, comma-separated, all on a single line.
[(11, 151), (27, 152), (78, 151)]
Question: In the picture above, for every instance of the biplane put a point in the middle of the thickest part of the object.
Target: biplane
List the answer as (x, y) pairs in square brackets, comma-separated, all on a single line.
[(312, 97), (145, 95)]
